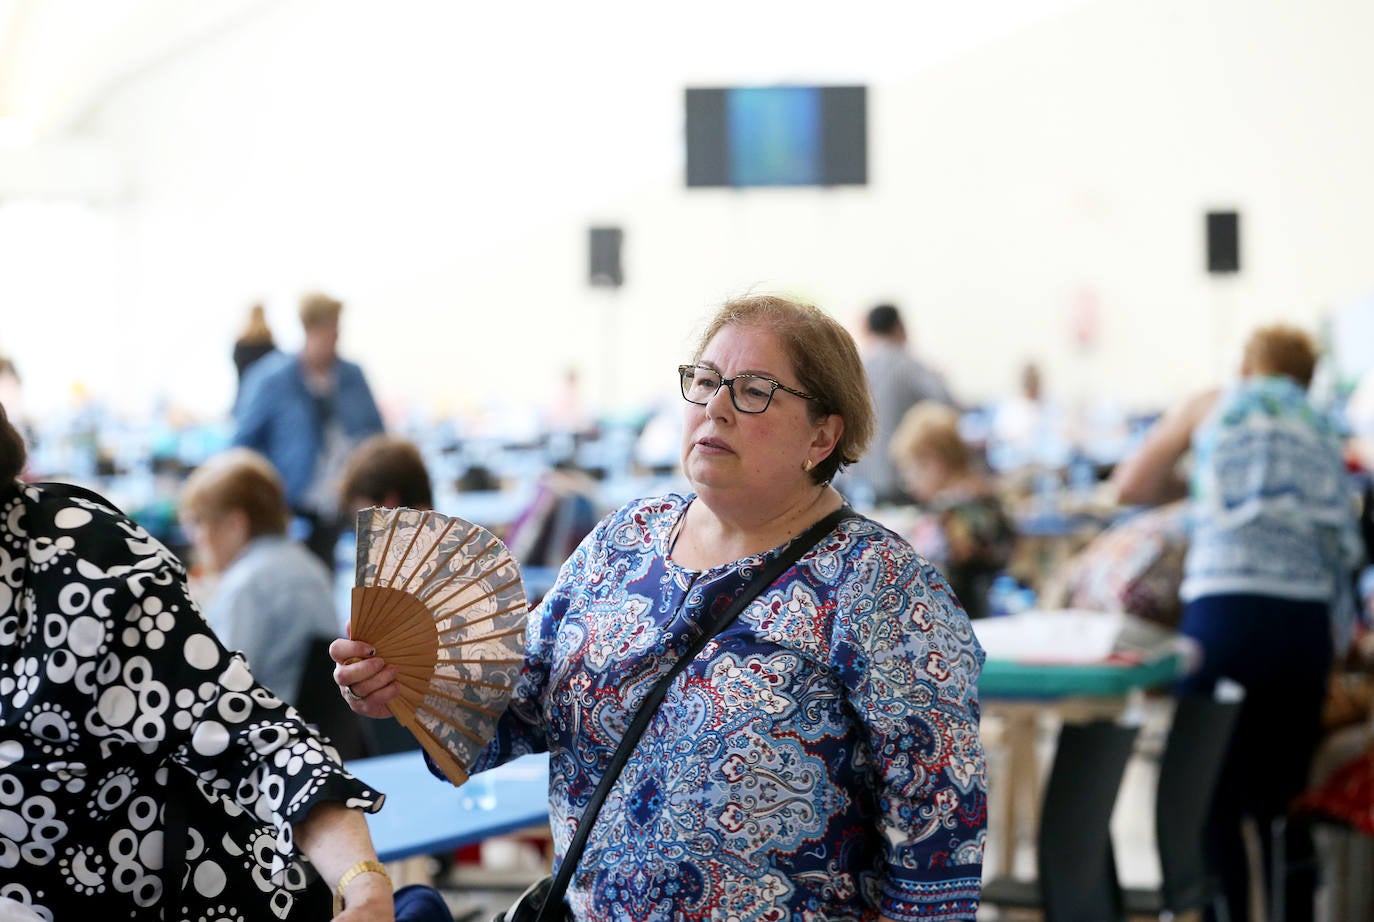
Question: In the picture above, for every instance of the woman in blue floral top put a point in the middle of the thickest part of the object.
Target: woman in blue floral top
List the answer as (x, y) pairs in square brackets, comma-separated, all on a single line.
[(820, 759)]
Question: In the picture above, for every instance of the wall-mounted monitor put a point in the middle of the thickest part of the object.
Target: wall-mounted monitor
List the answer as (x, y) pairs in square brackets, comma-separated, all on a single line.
[(777, 136)]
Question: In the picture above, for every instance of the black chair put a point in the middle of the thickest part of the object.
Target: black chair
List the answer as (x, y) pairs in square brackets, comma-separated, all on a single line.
[(1076, 879), (1189, 767), (320, 703)]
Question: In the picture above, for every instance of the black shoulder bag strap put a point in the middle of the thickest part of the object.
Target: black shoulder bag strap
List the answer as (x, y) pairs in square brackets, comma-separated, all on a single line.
[(761, 581)]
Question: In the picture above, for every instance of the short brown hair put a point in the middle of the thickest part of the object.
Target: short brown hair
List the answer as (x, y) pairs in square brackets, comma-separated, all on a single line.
[(237, 480), (12, 454), (931, 428), (384, 464), (825, 359), (317, 307), (1281, 349)]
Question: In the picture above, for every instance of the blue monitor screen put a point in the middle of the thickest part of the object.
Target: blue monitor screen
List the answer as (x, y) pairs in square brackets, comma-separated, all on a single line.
[(775, 136)]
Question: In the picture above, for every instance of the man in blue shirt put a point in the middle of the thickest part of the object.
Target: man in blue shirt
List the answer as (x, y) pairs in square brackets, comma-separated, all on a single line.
[(306, 413)]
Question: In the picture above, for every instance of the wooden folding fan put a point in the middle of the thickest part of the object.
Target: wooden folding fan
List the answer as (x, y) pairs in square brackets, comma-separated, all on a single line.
[(440, 599)]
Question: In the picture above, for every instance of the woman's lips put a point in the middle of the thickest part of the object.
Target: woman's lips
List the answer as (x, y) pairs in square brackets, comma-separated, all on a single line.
[(713, 447)]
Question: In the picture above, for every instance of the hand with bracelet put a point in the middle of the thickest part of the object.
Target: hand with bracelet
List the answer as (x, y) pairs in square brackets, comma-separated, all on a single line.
[(337, 842), (277, 785)]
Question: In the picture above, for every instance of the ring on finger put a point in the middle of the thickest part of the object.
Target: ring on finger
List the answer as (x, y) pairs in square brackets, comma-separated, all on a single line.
[(348, 690)]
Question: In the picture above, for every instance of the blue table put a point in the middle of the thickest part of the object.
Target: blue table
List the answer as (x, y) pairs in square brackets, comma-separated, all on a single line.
[(425, 815)]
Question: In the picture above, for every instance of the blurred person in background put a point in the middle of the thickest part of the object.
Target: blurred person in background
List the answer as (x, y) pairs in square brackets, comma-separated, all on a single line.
[(306, 413), (566, 412), (383, 471), (271, 596), (898, 381), (1359, 419), (1028, 427), (11, 390), (1018, 418), (144, 772), (564, 509), (253, 343), (386, 471), (1267, 585), (963, 529), (820, 757)]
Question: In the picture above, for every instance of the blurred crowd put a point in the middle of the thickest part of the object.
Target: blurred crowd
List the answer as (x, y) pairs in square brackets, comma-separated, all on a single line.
[(1234, 518)]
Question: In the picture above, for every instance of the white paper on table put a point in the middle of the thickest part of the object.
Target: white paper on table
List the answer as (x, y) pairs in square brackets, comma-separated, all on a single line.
[(1060, 636)]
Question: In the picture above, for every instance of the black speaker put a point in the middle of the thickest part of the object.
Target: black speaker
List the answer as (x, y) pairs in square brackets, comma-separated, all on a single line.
[(1223, 241), (604, 245)]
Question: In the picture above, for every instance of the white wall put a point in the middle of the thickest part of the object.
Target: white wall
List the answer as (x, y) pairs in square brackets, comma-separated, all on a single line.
[(437, 168)]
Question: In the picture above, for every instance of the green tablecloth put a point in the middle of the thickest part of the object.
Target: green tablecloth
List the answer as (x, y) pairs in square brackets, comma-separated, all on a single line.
[(1013, 679)]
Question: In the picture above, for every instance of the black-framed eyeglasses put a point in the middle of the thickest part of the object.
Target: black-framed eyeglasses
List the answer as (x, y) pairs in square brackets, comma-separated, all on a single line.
[(749, 393)]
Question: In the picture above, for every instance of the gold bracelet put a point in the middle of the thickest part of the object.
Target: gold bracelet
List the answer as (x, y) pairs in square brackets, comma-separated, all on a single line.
[(369, 866)]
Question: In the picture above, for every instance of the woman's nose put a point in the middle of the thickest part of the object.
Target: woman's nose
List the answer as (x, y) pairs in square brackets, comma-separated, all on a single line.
[(713, 406)]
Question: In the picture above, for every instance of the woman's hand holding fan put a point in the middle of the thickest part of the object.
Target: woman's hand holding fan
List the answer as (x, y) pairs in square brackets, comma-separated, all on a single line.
[(436, 632), (366, 682)]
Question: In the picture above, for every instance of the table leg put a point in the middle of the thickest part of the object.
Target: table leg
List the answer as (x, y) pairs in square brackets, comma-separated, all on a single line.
[(1021, 778), (1022, 783), (416, 870)]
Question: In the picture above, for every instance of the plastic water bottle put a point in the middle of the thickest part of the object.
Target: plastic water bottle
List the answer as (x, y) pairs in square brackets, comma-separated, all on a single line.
[(1082, 476), (1002, 595), (345, 554), (1048, 488), (478, 792), (1023, 599)]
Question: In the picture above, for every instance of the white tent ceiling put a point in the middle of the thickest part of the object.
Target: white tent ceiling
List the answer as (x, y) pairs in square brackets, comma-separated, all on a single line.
[(61, 61)]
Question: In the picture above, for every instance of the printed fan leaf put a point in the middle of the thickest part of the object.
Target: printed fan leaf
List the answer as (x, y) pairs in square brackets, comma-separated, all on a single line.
[(441, 600)]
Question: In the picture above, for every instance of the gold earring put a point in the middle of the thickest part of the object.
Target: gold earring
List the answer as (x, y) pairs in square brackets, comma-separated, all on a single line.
[(808, 464)]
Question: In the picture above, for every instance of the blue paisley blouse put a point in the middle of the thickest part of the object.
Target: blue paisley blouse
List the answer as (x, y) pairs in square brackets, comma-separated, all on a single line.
[(820, 759), (113, 690)]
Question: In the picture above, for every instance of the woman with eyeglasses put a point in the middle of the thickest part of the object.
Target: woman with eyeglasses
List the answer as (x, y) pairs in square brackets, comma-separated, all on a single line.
[(820, 758)]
